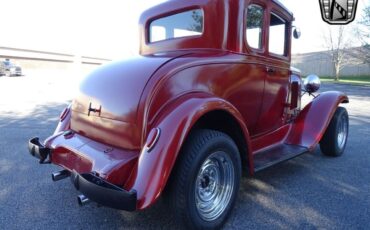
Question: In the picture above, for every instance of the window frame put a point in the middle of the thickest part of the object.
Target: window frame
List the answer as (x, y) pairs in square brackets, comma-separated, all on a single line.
[(169, 14), (285, 55)]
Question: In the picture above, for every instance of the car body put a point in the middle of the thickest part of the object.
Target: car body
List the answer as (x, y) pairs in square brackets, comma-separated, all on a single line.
[(11, 69), (15, 71), (2, 69), (208, 70)]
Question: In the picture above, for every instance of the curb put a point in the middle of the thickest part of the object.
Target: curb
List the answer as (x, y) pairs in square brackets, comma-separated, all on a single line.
[(346, 83)]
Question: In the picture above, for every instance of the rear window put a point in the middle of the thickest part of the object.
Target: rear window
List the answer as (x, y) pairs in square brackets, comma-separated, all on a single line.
[(185, 24)]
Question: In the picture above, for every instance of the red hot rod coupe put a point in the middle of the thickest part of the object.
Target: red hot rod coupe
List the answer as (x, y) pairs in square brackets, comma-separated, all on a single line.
[(212, 94)]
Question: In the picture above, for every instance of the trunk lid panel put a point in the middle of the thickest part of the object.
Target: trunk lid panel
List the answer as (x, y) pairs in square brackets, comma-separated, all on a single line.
[(117, 88), (112, 94)]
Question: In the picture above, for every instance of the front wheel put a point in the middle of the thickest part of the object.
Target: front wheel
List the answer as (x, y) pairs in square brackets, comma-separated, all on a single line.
[(334, 140), (206, 180)]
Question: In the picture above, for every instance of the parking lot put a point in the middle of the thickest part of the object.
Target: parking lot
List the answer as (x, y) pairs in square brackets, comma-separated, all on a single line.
[(308, 192)]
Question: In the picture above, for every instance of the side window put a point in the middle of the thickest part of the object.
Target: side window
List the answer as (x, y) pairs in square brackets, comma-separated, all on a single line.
[(254, 26), (277, 36)]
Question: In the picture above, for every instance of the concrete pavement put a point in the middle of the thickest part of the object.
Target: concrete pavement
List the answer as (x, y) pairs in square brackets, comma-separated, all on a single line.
[(308, 192)]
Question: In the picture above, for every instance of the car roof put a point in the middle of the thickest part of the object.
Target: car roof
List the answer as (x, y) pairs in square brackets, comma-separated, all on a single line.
[(283, 6)]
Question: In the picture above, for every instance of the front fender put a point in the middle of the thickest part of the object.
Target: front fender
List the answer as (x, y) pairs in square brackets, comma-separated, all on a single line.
[(312, 122), (175, 122)]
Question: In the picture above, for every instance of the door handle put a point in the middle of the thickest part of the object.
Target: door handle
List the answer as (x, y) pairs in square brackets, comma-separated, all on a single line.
[(270, 70)]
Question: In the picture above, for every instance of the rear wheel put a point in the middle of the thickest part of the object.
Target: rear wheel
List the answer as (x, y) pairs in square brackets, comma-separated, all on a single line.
[(206, 180), (334, 140)]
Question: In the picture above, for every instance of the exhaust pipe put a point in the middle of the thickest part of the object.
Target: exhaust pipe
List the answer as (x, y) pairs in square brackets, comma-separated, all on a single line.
[(82, 200), (55, 176)]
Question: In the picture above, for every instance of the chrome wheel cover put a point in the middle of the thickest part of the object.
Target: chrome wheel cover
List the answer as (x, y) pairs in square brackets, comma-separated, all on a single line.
[(342, 132), (214, 186)]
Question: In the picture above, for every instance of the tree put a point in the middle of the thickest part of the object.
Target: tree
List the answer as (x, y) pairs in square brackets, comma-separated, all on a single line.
[(363, 33), (197, 24), (338, 44)]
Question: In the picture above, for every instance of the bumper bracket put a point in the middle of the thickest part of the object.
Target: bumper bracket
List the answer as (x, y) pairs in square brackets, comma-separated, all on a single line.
[(103, 192), (38, 150)]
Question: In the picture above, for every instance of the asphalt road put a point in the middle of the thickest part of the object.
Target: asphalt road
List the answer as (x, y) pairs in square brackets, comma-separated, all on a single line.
[(308, 192)]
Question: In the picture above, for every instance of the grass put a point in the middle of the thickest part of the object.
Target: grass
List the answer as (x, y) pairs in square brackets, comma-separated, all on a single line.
[(358, 80)]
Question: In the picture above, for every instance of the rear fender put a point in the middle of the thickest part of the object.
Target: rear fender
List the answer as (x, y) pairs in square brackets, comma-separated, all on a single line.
[(312, 122), (63, 125), (175, 122)]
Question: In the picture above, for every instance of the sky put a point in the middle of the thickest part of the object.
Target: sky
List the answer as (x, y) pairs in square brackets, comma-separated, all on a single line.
[(108, 29), (308, 18)]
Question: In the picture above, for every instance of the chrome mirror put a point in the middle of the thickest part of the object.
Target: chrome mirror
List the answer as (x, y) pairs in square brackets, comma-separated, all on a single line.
[(296, 33), (312, 83)]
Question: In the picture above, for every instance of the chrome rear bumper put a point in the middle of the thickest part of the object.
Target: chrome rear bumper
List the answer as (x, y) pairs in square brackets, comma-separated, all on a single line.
[(103, 192)]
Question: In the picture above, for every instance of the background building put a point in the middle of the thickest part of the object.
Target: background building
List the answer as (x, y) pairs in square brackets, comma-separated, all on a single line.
[(320, 63)]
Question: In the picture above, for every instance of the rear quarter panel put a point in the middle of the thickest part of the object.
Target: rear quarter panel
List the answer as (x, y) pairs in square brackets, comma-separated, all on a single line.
[(230, 77), (178, 94), (175, 121)]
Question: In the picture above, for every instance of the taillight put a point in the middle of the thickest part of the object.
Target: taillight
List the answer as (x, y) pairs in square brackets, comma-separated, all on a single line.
[(64, 114), (152, 138)]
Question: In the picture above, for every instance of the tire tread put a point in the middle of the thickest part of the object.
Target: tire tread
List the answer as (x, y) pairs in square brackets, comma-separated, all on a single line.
[(328, 143), (182, 169)]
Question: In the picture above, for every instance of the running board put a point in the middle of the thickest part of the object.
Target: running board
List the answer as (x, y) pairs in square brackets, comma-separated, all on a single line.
[(276, 154)]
